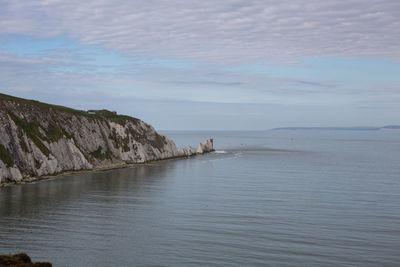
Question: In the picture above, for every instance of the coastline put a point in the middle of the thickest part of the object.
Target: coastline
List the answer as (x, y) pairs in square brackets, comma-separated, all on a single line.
[(28, 180)]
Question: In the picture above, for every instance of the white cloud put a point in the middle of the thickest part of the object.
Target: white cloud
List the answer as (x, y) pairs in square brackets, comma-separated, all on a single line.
[(214, 36), (216, 31)]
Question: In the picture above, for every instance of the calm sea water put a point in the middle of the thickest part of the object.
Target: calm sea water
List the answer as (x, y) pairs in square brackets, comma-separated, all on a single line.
[(298, 198)]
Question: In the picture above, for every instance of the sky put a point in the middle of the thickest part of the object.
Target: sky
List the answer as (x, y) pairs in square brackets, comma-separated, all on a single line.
[(208, 65)]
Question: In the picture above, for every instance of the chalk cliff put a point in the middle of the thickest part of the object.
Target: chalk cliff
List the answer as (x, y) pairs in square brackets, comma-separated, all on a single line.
[(38, 139)]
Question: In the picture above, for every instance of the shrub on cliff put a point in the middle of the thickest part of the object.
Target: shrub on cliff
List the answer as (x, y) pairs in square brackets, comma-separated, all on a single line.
[(6, 157)]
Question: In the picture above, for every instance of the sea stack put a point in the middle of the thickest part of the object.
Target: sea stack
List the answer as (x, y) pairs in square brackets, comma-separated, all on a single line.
[(206, 147)]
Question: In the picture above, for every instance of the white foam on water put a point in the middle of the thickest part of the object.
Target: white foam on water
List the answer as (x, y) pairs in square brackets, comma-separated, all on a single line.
[(220, 152)]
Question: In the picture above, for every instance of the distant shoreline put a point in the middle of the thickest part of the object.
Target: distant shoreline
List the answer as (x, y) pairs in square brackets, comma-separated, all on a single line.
[(367, 128)]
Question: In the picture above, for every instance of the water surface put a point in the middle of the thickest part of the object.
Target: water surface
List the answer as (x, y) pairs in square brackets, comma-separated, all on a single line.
[(296, 198)]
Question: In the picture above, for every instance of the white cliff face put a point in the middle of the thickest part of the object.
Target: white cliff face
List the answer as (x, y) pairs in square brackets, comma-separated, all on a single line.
[(68, 156), (9, 172), (41, 139)]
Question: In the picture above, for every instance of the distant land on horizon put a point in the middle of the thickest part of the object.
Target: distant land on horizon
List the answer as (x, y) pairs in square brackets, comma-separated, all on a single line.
[(360, 128)]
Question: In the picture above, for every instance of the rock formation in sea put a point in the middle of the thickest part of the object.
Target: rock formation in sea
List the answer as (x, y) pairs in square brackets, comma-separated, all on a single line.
[(38, 139)]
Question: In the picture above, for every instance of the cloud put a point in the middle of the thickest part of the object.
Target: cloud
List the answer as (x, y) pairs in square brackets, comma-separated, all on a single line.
[(223, 32), (317, 84), (277, 60), (205, 83)]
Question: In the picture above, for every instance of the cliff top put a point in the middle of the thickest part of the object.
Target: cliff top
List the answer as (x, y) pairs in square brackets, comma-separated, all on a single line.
[(96, 114)]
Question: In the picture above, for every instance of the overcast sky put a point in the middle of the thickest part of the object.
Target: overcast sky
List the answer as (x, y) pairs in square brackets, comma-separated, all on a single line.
[(242, 65)]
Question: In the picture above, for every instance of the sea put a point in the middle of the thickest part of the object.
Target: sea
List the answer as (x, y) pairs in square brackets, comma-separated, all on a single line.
[(268, 198)]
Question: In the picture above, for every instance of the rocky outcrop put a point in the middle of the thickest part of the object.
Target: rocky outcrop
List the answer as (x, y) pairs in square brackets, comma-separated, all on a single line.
[(203, 148), (21, 260), (38, 139)]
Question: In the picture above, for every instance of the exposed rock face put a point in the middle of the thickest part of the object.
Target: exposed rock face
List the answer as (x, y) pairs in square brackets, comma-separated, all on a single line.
[(38, 139), (207, 146), (21, 260)]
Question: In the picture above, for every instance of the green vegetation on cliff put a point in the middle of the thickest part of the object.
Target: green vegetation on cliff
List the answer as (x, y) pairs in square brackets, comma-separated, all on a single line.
[(112, 116), (95, 114), (100, 155), (6, 157), (118, 141), (42, 105), (32, 131), (54, 132)]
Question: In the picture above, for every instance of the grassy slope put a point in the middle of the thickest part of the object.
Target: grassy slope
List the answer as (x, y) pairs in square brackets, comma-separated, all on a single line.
[(100, 114)]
